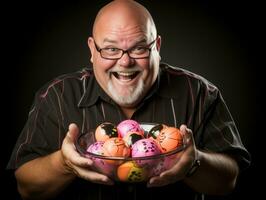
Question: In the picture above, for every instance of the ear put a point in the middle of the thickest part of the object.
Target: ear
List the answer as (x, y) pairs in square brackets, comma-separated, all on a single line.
[(158, 43), (158, 46), (92, 48)]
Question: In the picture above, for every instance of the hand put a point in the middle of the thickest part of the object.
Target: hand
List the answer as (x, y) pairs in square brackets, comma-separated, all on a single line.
[(179, 170), (76, 164)]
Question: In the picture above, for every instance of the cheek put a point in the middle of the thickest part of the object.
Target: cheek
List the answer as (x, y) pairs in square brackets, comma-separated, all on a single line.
[(149, 70), (144, 64), (100, 68), (102, 65), (154, 67)]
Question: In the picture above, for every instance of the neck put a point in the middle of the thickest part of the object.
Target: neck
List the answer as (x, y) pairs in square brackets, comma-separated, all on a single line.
[(128, 111)]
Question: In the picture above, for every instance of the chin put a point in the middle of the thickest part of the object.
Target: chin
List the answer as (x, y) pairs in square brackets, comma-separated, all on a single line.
[(130, 98), (126, 102)]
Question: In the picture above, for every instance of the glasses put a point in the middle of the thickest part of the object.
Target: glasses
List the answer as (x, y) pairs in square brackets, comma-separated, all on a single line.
[(137, 52)]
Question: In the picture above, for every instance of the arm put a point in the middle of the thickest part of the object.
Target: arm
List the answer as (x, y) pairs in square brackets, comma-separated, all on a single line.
[(45, 177), (216, 175)]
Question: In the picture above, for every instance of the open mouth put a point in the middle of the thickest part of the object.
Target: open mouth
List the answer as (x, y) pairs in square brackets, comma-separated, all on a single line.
[(125, 76)]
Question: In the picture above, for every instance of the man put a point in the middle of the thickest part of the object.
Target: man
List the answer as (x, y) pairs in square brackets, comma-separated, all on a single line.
[(127, 81)]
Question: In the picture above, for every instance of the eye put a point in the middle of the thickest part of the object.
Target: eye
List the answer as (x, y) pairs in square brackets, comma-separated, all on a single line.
[(139, 49), (111, 50)]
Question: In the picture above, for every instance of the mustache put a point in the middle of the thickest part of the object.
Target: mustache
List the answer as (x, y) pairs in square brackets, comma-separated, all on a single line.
[(126, 70)]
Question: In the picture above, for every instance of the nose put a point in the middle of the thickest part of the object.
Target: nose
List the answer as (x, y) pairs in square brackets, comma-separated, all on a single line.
[(125, 60)]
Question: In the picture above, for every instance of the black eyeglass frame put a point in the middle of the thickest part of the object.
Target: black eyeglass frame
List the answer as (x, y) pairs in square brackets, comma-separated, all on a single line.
[(148, 47)]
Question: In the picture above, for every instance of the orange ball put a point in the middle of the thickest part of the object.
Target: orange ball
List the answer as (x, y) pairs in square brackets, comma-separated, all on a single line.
[(169, 139), (115, 147), (130, 172), (105, 131), (154, 131)]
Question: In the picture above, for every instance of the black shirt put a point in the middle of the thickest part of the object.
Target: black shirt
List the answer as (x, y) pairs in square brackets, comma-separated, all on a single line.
[(177, 97)]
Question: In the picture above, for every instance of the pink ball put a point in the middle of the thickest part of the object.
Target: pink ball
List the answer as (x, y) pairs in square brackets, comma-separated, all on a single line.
[(145, 147), (128, 125), (100, 165), (96, 148), (165, 163), (159, 167), (162, 165)]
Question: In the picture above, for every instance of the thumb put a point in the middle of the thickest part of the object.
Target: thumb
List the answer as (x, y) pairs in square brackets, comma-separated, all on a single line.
[(73, 132), (183, 128), (187, 134)]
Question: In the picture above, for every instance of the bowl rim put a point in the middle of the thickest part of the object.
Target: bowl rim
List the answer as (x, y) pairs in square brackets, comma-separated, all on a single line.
[(121, 158)]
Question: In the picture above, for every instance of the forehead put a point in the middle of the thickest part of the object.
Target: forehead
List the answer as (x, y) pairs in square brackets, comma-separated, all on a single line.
[(124, 25), (119, 32)]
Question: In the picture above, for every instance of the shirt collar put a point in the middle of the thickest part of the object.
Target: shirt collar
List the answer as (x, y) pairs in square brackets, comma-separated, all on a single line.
[(169, 84), (93, 93)]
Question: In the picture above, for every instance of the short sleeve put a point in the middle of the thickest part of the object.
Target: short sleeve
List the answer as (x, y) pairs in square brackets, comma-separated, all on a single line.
[(217, 131), (43, 131)]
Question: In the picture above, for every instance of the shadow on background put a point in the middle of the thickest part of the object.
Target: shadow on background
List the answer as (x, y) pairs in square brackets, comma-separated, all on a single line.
[(220, 41)]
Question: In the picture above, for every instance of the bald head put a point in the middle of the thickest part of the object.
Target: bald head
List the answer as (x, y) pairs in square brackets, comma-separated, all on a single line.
[(122, 16)]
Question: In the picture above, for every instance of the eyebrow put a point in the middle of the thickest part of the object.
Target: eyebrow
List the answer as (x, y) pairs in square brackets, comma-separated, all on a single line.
[(144, 40), (108, 40)]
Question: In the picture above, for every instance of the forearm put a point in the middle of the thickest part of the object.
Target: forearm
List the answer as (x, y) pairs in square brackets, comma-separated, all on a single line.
[(216, 175), (43, 177)]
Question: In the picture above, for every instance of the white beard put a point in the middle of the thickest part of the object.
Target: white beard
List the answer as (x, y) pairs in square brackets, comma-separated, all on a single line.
[(130, 98)]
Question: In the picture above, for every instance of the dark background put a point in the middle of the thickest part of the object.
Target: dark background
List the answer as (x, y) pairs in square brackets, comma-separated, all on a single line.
[(219, 40)]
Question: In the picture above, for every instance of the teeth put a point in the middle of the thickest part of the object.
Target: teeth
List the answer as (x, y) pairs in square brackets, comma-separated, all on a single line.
[(125, 73)]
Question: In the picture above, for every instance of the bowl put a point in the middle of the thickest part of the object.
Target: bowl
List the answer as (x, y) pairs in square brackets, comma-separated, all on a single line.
[(129, 168)]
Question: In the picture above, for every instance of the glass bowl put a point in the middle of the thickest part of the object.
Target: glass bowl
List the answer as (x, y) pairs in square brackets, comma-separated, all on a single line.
[(129, 169)]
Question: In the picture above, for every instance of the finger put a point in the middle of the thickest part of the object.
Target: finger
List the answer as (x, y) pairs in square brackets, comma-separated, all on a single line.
[(156, 181), (69, 149), (94, 176), (183, 128), (78, 160), (73, 131), (177, 172), (187, 134)]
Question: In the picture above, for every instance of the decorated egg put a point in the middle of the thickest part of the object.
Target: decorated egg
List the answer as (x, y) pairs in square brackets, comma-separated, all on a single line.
[(154, 131), (130, 172), (105, 131), (100, 164), (160, 167), (169, 139), (128, 125), (131, 137), (165, 163), (116, 147), (145, 147), (96, 148)]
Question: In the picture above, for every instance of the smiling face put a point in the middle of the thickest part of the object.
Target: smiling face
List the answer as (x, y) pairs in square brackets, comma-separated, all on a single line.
[(125, 25)]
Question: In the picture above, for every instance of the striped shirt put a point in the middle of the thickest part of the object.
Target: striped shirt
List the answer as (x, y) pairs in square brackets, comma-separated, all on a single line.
[(177, 97)]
